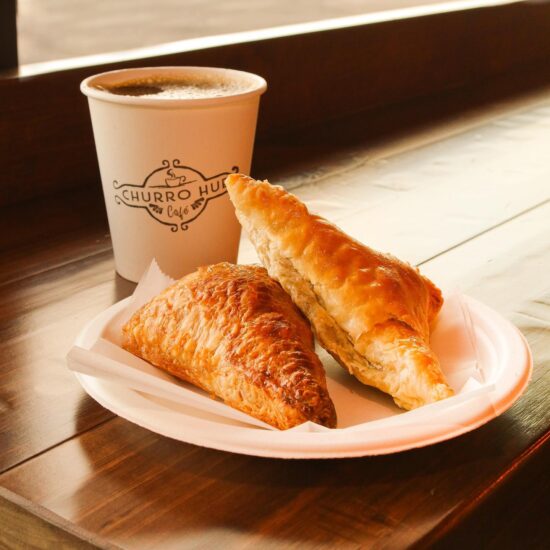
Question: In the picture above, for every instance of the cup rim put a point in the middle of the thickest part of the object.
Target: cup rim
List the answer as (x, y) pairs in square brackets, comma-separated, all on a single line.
[(258, 86)]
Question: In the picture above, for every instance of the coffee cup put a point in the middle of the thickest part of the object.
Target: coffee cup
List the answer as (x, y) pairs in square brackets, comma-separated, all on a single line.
[(166, 139)]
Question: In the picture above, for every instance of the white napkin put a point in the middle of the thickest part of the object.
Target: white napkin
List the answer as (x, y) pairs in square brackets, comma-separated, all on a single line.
[(358, 407)]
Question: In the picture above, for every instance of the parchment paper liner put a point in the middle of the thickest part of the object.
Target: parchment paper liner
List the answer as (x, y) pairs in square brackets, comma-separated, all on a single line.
[(359, 408)]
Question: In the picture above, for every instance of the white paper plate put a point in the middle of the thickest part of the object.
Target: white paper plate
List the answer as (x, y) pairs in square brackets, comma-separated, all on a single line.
[(501, 348)]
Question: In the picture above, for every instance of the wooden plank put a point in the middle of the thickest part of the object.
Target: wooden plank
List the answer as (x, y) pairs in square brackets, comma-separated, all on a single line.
[(8, 35), (42, 403), (397, 60), (27, 525), (519, 246), (489, 524), (418, 203), (54, 231)]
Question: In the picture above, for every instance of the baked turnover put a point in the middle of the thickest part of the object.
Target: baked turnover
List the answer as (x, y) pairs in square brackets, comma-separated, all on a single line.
[(369, 310), (234, 332)]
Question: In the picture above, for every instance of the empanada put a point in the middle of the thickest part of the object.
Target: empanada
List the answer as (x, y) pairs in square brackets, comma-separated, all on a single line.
[(234, 332), (369, 310)]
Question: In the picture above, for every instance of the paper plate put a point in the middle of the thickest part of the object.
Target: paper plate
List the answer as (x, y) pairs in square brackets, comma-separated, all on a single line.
[(501, 349)]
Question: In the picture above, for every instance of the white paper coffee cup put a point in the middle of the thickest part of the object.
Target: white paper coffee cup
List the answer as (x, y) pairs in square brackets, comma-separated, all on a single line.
[(163, 162)]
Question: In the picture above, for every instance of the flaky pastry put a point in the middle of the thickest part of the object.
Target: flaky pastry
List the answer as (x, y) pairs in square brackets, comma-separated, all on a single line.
[(234, 332), (370, 311)]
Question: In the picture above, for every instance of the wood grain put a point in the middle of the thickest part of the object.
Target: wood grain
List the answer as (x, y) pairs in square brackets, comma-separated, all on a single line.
[(497, 521), (432, 196), (356, 68), (27, 525), (44, 234), (41, 401)]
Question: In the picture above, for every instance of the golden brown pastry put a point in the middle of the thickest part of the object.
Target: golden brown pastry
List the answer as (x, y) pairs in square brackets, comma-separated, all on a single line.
[(369, 310), (234, 332)]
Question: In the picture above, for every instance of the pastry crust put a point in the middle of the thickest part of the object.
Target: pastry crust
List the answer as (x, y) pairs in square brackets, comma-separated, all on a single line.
[(371, 311), (234, 332)]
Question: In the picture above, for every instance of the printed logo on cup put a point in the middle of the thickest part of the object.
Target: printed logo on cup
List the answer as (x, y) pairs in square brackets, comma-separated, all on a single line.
[(173, 194)]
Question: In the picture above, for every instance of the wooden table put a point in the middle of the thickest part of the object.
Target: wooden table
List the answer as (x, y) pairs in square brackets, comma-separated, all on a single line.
[(465, 196)]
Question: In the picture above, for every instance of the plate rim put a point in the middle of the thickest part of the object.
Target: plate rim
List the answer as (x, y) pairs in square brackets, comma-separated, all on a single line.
[(315, 446)]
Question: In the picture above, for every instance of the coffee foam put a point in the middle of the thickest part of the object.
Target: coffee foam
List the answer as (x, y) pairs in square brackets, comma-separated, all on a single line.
[(166, 87)]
